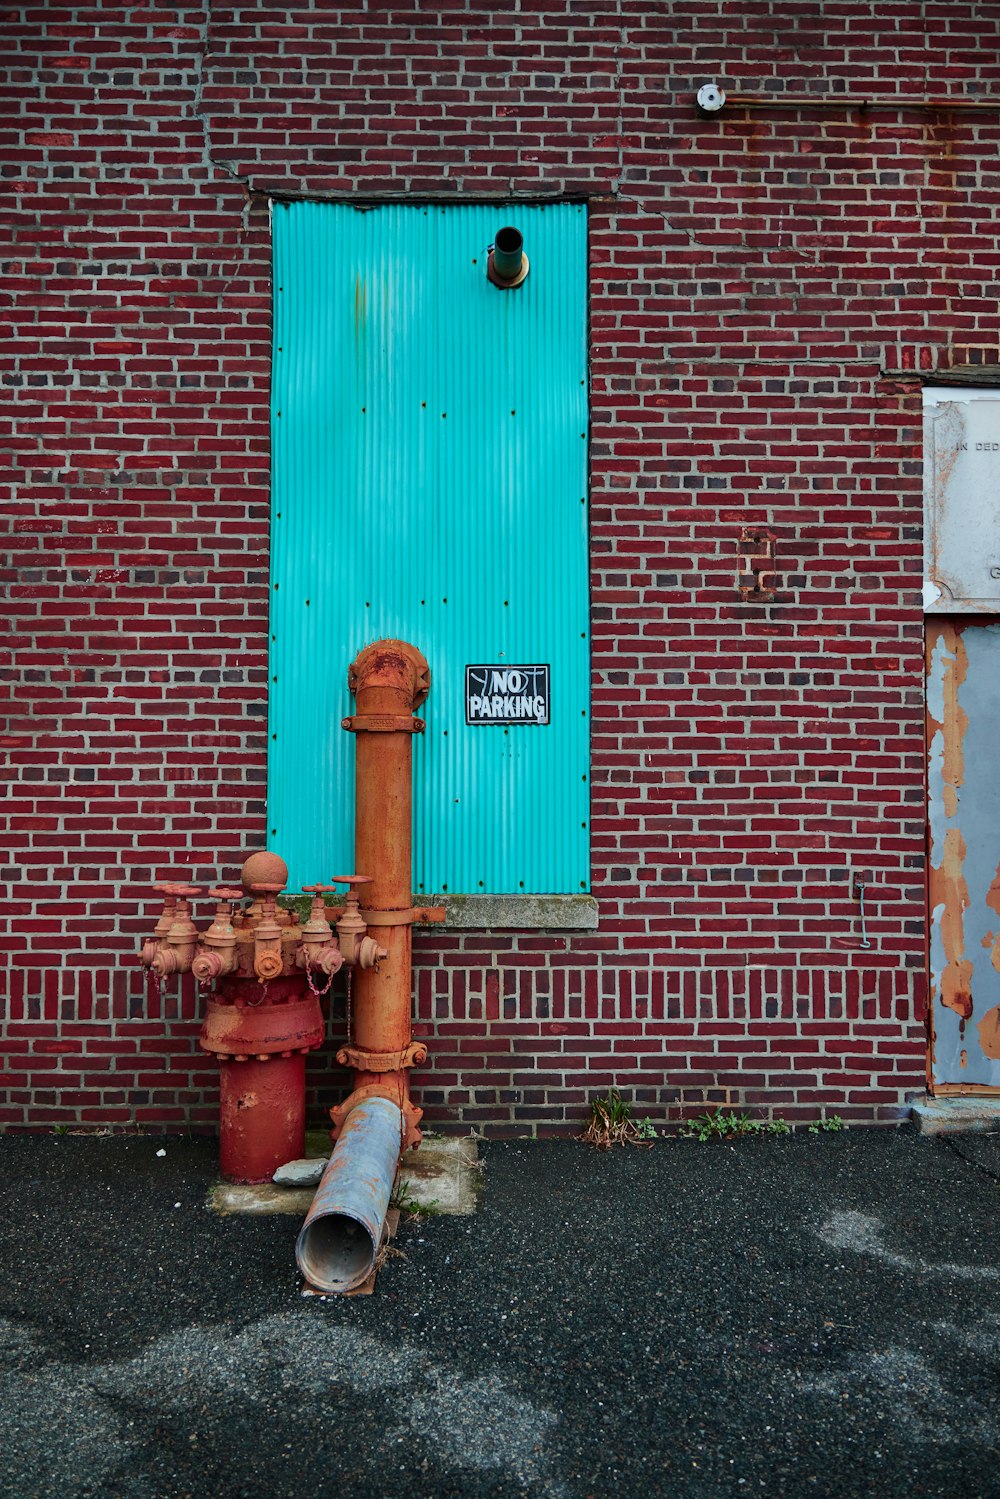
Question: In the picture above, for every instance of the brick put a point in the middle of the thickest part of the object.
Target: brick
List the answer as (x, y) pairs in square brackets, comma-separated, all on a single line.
[(751, 277)]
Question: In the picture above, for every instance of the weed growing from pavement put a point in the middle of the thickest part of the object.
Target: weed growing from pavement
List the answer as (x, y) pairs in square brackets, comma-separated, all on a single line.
[(720, 1125), (611, 1123), (387, 1251), (729, 1126), (403, 1201)]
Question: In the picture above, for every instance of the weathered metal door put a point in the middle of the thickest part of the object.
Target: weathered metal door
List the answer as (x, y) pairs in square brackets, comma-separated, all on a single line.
[(429, 482), (963, 742)]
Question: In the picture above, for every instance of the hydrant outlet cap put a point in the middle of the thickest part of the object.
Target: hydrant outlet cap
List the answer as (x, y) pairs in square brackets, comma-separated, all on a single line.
[(264, 868)]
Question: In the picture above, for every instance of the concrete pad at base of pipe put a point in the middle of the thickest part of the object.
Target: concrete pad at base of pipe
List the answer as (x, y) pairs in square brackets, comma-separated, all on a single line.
[(340, 1238)]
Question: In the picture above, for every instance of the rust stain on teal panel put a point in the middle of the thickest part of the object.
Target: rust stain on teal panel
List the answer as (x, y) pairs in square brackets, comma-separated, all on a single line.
[(429, 476)]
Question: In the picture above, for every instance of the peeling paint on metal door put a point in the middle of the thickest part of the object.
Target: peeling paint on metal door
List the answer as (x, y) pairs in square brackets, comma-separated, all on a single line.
[(429, 482), (963, 732)]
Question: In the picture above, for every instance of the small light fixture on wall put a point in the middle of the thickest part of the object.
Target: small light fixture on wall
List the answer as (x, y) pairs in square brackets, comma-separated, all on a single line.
[(507, 264), (711, 97)]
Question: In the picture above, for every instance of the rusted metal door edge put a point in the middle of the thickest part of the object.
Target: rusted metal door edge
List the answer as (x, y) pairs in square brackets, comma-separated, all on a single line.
[(963, 1090), (950, 628)]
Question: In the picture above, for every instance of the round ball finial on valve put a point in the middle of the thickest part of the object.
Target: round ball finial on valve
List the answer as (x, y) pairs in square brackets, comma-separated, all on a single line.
[(264, 868)]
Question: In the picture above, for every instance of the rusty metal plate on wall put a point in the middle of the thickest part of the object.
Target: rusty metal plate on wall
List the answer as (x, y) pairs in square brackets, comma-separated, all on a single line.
[(963, 730), (961, 500)]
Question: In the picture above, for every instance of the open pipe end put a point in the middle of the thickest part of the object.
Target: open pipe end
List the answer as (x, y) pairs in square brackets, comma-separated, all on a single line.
[(507, 264), (336, 1253)]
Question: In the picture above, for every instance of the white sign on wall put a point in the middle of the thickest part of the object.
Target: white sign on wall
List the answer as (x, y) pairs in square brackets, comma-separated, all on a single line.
[(961, 500)]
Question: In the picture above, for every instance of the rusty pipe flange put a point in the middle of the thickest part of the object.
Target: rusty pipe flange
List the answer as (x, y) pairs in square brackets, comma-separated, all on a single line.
[(383, 723), (259, 1030), (506, 283), (405, 917), (392, 664), (415, 1055), (411, 1114)]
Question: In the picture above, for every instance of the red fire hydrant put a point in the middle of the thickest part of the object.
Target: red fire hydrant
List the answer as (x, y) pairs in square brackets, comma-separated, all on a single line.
[(265, 1015), (261, 1022)]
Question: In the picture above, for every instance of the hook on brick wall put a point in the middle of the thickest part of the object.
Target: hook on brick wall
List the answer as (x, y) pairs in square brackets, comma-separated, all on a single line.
[(755, 571), (859, 883)]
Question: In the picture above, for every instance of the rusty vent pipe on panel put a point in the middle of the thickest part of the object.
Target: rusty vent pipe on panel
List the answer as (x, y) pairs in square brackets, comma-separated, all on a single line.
[(507, 264), (341, 1235)]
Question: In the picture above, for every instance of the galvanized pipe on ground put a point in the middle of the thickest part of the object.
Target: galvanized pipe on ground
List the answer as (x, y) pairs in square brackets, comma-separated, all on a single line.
[(340, 1238)]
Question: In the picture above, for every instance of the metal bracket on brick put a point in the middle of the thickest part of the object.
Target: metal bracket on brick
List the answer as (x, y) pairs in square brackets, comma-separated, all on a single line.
[(755, 573)]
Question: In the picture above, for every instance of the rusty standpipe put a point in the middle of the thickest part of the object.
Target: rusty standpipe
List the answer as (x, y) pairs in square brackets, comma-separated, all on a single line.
[(340, 1238)]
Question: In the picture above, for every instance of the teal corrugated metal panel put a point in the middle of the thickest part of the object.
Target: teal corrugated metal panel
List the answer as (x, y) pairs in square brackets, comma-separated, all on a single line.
[(429, 482)]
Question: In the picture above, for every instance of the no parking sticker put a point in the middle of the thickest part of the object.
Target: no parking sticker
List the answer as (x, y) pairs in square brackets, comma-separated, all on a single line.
[(506, 694)]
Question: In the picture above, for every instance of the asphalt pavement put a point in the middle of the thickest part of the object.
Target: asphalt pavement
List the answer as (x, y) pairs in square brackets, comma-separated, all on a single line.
[(814, 1315)]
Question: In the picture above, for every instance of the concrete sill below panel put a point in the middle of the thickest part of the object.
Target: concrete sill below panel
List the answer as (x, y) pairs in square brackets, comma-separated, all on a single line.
[(486, 913), (956, 1114)]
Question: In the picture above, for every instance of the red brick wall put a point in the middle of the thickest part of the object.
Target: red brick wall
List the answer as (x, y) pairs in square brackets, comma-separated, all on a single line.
[(754, 275)]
